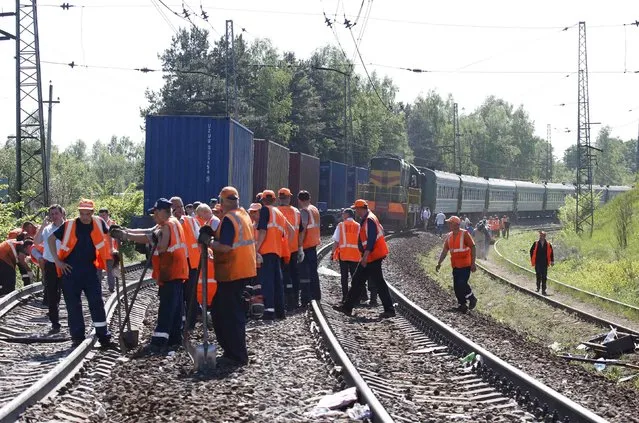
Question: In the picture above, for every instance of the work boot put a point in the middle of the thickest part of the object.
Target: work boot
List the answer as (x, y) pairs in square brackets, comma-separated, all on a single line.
[(472, 302), (341, 309), (76, 342), (55, 328), (544, 293), (462, 308), (372, 303), (387, 314)]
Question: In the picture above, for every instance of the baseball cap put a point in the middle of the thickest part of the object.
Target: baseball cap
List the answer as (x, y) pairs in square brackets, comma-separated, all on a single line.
[(160, 204), (103, 210), (304, 195), (229, 193), (86, 205), (349, 211), (359, 204), (454, 219), (267, 193), (255, 207), (284, 192)]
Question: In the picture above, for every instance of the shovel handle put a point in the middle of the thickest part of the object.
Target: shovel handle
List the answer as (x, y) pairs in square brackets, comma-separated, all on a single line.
[(127, 320), (124, 291), (204, 256)]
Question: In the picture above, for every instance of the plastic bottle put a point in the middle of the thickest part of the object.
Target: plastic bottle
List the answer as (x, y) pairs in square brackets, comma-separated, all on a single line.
[(600, 364), (469, 358)]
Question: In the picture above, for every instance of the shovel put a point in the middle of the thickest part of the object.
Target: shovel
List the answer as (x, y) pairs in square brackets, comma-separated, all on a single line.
[(116, 264), (129, 339), (204, 354)]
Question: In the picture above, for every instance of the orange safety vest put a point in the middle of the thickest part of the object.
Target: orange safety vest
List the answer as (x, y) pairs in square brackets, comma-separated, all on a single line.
[(293, 216), (171, 265), (380, 249), (275, 232), (111, 243), (102, 253), (8, 252), (35, 257), (460, 253), (13, 233), (312, 237), (348, 233), (211, 283), (533, 259), (191, 229), (255, 235), (239, 263)]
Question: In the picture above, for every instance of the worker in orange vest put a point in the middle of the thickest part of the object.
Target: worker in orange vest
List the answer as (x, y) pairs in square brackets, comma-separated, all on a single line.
[(345, 249), (112, 245), (290, 271), (13, 253), (28, 228), (82, 252), (307, 249), (462, 259), (256, 301), (271, 228), (170, 271), (235, 264), (372, 244), (542, 256)]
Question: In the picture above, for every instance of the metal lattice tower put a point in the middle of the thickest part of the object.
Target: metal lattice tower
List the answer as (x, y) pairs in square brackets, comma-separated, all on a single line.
[(231, 80), (584, 216), (457, 152), (549, 158), (32, 184)]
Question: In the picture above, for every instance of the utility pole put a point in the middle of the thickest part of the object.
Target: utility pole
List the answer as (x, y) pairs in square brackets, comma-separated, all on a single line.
[(457, 151), (549, 158), (231, 80), (50, 102), (584, 216)]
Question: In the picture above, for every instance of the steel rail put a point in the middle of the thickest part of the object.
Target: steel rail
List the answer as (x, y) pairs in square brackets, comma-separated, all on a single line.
[(64, 370)]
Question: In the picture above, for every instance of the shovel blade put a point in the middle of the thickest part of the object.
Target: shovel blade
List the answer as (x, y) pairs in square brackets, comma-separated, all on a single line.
[(204, 357), (129, 340)]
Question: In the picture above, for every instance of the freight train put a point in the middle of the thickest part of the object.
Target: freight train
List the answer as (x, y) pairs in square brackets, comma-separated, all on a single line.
[(195, 156)]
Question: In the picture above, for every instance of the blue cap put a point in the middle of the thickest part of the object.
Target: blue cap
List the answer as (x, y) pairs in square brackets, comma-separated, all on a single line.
[(160, 204)]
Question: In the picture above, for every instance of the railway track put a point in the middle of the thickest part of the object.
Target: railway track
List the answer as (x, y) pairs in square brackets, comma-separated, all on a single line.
[(608, 303), (408, 368), (34, 364)]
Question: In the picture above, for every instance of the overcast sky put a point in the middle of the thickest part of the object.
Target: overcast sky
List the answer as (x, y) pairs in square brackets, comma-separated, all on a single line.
[(511, 49)]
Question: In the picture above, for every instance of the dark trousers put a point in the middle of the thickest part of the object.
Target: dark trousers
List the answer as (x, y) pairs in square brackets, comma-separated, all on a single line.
[(168, 329), (463, 291), (7, 278), (506, 230), (346, 268), (309, 278), (373, 273), (53, 286), (541, 272), (291, 277), (272, 287), (190, 299), (229, 319), (73, 284)]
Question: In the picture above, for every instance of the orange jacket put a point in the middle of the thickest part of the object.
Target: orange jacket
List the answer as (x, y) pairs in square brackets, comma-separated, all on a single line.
[(460, 249), (239, 263), (292, 215), (549, 255), (312, 237), (172, 264), (8, 252), (348, 233), (191, 229), (102, 251), (380, 249), (275, 232)]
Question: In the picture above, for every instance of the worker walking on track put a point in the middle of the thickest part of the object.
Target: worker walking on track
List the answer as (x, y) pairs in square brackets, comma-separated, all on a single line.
[(170, 271), (306, 251), (542, 256), (82, 252), (112, 245), (235, 268), (462, 259), (505, 221), (52, 282), (345, 248), (290, 273), (191, 228), (374, 249), (13, 253), (272, 229), (440, 218)]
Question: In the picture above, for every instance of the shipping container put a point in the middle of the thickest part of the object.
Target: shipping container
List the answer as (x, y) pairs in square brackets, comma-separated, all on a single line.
[(194, 157), (270, 166), (355, 176), (333, 182), (303, 174)]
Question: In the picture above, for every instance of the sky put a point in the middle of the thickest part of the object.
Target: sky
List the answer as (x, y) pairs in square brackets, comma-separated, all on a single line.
[(523, 52)]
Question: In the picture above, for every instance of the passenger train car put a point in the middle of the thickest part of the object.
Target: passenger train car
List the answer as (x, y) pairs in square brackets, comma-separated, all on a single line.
[(397, 191)]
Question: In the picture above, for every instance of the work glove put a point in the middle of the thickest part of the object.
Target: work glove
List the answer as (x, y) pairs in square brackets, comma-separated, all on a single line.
[(258, 258), (117, 232), (206, 234), (300, 255)]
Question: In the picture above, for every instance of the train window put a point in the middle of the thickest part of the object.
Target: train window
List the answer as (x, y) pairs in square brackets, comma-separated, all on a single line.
[(385, 164)]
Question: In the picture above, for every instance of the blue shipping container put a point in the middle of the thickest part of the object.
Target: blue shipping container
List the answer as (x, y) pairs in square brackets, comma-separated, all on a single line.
[(355, 176), (194, 157), (333, 182)]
